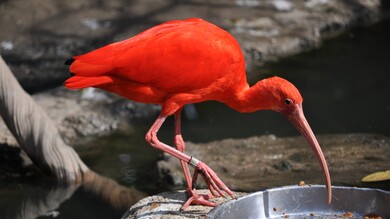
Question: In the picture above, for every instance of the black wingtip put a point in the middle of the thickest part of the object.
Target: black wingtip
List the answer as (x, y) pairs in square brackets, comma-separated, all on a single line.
[(69, 61)]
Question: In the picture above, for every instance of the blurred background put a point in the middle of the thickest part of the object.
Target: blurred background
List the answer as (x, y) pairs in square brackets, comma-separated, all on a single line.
[(334, 51)]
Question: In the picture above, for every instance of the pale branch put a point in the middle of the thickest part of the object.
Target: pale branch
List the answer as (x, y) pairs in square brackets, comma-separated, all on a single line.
[(35, 132)]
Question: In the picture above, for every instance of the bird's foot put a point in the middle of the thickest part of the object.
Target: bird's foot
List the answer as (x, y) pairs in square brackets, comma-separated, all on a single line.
[(216, 186), (198, 199)]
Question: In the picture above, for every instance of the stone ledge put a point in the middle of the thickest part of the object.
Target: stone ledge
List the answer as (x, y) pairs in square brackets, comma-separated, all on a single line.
[(168, 204)]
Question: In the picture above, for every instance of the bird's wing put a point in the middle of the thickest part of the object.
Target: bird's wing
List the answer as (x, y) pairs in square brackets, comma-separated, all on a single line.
[(185, 55), (177, 56), (116, 59)]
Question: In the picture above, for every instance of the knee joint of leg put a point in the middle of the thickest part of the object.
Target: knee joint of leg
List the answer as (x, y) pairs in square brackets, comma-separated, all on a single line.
[(179, 142), (151, 138)]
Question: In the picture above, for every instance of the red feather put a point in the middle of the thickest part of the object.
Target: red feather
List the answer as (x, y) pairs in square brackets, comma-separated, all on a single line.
[(167, 60)]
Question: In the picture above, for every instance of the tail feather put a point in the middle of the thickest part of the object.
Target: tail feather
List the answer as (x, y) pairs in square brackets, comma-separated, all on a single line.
[(81, 68), (78, 82), (91, 69)]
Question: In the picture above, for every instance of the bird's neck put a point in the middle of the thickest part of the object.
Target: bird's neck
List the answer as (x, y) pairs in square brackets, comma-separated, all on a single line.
[(250, 99)]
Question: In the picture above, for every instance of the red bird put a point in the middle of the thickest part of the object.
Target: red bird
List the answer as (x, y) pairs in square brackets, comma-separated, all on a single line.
[(182, 62)]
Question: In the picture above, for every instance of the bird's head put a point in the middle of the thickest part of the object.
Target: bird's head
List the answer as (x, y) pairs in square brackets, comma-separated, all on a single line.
[(282, 96)]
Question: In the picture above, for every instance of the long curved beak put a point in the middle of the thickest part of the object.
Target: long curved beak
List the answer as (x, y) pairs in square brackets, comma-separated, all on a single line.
[(298, 119)]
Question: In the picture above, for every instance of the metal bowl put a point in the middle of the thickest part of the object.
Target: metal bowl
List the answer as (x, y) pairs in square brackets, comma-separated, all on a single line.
[(307, 202)]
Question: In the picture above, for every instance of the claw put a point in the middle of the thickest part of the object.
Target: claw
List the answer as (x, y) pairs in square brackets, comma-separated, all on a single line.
[(194, 178), (197, 199), (213, 182), (213, 192)]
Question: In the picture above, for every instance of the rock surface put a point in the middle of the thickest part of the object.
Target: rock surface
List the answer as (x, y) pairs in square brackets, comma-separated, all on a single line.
[(85, 113), (267, 161), (168, 204), (78, 115)]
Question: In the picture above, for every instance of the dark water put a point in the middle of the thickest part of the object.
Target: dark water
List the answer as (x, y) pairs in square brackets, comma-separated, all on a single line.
[(346, 89)]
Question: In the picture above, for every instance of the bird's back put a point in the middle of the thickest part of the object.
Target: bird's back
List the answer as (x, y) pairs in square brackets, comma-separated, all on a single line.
[(174, 57)]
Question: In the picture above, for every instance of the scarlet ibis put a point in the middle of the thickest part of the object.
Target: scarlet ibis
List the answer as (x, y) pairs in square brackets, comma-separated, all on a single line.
[(183, 62)]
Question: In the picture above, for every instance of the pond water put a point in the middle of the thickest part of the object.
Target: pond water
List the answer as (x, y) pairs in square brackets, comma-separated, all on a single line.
[(345, 85)]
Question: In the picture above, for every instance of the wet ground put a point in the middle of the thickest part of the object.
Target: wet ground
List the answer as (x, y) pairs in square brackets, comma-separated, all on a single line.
[(345, 86)]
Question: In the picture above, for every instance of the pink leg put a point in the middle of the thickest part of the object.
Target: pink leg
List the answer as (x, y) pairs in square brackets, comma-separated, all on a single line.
[(208, 174), (194, 197), (180, 145)]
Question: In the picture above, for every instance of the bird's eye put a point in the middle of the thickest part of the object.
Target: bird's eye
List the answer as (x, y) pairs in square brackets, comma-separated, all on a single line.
[(288, 101)]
